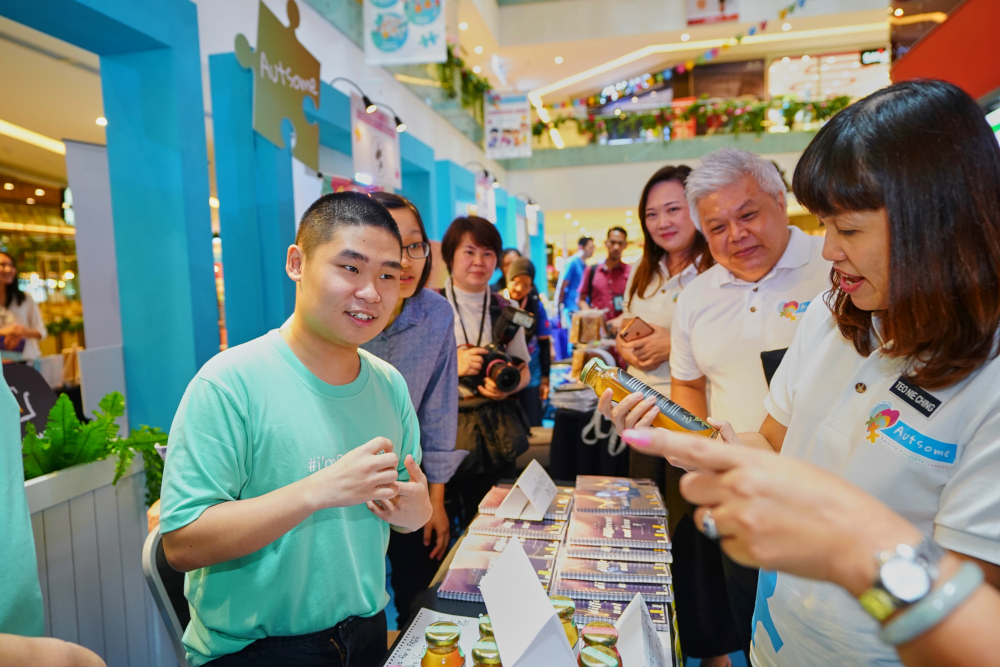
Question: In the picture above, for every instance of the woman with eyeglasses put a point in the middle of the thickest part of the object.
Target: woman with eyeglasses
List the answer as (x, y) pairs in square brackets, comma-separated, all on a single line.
[(420, 342)]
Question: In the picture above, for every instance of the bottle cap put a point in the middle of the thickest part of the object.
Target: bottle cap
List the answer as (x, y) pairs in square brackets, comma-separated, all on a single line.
[(565, 606), (442, 633), (485, 626), (598, 656), (485, 653), (599, 633), (594, 364)]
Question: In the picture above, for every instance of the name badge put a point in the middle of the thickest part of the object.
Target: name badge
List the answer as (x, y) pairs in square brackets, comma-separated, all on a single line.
[(919, 399)]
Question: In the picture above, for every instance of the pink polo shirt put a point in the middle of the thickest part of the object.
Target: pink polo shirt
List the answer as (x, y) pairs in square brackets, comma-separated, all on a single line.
[(607, 284)]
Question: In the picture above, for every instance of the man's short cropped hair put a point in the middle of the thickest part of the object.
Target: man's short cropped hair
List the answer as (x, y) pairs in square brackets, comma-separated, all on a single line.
[(726, 166), (483, 233), (342, 209), (617, 229), (584, 240)]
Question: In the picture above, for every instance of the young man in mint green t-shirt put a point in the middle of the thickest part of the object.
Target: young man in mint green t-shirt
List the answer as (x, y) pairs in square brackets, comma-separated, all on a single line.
[(290, 456)]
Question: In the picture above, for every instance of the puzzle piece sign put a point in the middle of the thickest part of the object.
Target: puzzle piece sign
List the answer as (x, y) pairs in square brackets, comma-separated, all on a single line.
[(285, 77), (404, 32)]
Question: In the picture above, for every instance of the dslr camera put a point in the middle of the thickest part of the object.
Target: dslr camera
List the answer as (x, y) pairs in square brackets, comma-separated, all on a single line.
[(497, 364)]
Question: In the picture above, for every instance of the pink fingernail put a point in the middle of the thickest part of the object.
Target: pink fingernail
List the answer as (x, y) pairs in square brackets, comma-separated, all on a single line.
[(637, 438)]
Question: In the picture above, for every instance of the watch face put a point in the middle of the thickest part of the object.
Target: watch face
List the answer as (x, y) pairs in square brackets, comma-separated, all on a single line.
[(905, 579)]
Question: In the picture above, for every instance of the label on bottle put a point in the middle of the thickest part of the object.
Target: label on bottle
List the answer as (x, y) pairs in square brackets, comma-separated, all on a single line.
[(668, 408)]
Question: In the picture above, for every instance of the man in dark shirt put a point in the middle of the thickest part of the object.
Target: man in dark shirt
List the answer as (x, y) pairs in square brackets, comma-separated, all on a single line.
[(603, 285)]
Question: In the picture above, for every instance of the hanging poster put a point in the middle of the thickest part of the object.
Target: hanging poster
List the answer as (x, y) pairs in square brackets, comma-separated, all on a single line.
[(404, 32), (486, 197), (375, 147), (712, 11), (508, 126)]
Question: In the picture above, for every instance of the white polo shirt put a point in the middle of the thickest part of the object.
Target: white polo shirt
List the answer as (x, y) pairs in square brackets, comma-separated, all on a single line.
[(657, 307), (932, 456), (722, 324)]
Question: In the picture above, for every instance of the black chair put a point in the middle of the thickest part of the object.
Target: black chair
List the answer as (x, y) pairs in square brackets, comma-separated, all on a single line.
[(167, 586)]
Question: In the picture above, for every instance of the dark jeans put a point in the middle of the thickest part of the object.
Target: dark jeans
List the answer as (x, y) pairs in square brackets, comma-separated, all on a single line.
[(354, 642), (531, 400), (412, 569)]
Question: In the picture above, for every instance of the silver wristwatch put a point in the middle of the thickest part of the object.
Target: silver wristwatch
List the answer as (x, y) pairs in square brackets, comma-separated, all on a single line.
[(905, 576)]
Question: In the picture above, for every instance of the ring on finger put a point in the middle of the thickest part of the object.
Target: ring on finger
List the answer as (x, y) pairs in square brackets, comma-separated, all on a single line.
[(708, 526)]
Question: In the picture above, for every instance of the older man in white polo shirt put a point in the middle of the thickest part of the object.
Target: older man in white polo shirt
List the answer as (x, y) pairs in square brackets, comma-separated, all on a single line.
[(749, 303)]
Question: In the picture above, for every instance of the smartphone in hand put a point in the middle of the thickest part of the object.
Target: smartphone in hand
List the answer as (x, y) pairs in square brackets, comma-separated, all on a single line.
[(634, 329)]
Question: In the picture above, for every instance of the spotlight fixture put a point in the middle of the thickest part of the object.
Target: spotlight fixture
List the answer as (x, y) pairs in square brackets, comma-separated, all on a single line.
[(400, 125), (559, 60), (478, 49), (370, 107), (39, 192), (8, 186), (487, 174), (30, 200), (685, 37), (477, 69), (102, 121), (898, 12), (786, 27), (463, 26)]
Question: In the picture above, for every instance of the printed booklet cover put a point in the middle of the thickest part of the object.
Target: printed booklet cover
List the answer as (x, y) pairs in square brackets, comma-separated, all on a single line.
[(604, 610), (468, 568), (485, 524), (619, 530), (534, 548), (638, 499), (621, 553), (558, 510), (622, 591), (614, 570)]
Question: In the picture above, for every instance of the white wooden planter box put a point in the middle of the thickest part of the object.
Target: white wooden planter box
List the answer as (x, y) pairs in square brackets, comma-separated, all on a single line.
[(88, 540)]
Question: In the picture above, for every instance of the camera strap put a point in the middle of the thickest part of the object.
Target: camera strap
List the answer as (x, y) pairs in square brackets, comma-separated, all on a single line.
[(482, 321)]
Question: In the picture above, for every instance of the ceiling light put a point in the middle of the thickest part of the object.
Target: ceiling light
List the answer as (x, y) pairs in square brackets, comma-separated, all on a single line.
[(855, 65), (496, 184), (685, 37), (576, 223), (479, 49), (786, 27), (618, 112), (30, 200), (583, 230), (363, 179), (568, 216), (653, 94), (473, 208), (400, 125), (831, 60), (899, 11), (213, 202), (628, 213), (33, 138), (69, 275), (786, 60), (628, 221), (558, 60), (102, 121), (477, 69), (40, 192), (463, 26), (827, 91), (824, 68), (8, 186), (805, 58), (635, 100)]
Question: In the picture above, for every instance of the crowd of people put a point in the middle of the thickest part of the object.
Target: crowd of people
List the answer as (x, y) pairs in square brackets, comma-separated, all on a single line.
[(847, 513)]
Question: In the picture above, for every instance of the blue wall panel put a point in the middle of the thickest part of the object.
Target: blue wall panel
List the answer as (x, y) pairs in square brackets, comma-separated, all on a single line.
[(454, 184)]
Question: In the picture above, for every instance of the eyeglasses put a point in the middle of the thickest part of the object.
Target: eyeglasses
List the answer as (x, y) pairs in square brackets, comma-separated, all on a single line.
[(418, 250)]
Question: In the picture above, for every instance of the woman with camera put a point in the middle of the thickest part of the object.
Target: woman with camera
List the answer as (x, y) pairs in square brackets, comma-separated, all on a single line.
[(419, 341), (491, 423)]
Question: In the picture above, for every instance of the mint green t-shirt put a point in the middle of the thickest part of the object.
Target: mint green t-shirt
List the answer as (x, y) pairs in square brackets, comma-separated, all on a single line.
[(20, 594), (254, 420)]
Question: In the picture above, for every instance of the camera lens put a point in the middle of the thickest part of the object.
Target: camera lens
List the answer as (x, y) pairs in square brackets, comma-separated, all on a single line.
[(505, 375)]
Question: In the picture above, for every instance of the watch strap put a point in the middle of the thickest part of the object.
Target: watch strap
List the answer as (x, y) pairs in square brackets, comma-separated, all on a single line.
[(878, 601), (934, 607)]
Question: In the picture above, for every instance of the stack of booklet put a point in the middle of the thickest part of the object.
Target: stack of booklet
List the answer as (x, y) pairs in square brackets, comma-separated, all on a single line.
[(476, 555), (616, 546)]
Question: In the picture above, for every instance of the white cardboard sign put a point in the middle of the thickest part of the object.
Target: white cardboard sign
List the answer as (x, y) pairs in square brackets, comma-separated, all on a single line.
[(531, 496), (525, 624), (638, 641), (410, 649)]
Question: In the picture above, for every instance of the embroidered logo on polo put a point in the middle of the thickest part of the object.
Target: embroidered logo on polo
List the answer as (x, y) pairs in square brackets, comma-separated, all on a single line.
[(791, 309), (884, 425), (919, 399)]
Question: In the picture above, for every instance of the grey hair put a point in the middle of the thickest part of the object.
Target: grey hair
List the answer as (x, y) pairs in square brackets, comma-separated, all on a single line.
[(726, 166)]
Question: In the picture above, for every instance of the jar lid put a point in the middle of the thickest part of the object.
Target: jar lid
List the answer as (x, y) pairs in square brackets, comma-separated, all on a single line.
[(485, 626), (598, 656), (599, 633), (565, 606), (442, 633), (485, 653)]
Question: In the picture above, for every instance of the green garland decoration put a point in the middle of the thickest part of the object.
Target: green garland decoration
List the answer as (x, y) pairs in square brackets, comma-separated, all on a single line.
[(457, 81)]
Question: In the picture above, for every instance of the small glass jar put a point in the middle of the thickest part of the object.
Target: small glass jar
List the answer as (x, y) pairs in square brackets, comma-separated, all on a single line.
[(485, 654), (598, 656), (486, 628), (442, 648), (566, 607), (601, 633)]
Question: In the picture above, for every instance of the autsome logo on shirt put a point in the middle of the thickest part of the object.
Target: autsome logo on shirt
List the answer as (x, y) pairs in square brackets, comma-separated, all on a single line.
[(885, 426), (791, 309)]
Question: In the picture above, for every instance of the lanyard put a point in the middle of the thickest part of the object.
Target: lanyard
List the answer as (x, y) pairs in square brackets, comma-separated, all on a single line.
[(482, 321)]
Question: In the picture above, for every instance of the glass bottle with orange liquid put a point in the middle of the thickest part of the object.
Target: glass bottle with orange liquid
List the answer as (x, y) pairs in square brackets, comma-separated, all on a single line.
[(566, 608), (485, 654), (600, 377), (442, 646), (598, 656), (600, 633)]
